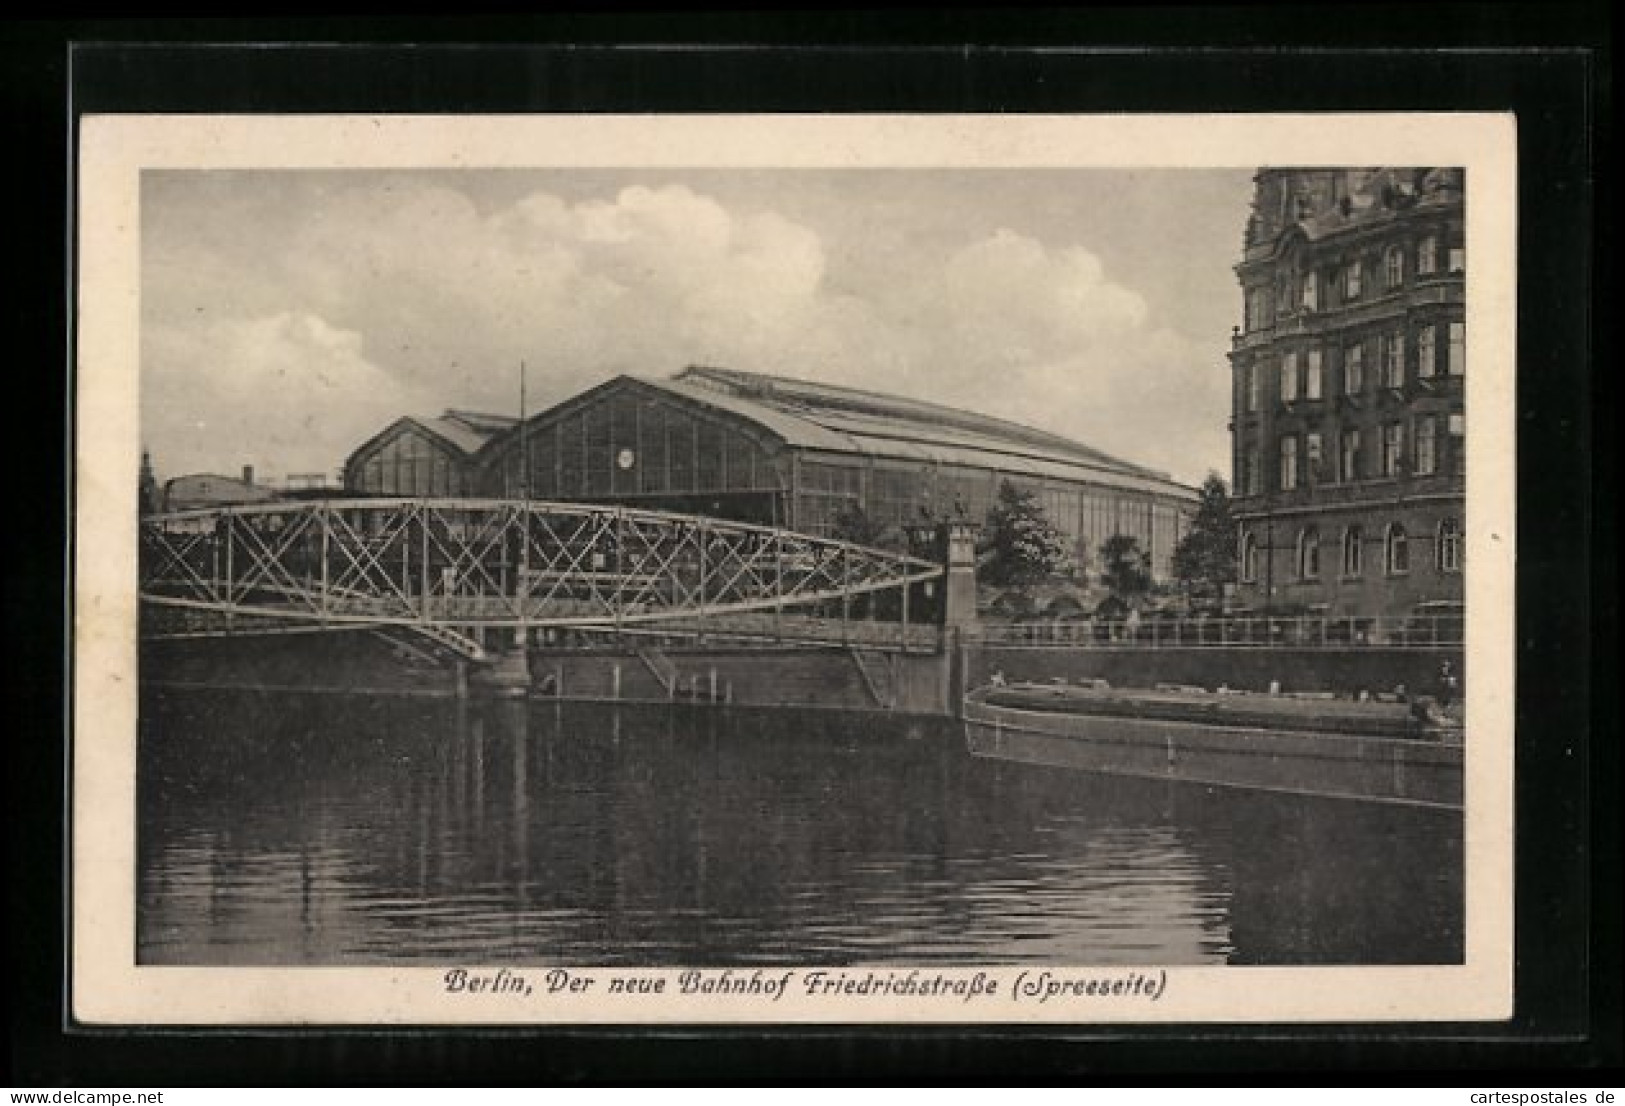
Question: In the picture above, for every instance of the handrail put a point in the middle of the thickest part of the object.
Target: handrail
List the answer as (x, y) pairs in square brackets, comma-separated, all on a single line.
[(1230, 632)]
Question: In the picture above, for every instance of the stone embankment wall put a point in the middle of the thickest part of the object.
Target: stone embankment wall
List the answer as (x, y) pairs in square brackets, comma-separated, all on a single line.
[(835, 678), (348, 660)]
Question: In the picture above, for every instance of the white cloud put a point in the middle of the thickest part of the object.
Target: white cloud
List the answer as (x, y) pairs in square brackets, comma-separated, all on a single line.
[(277, 391), (402, 296)]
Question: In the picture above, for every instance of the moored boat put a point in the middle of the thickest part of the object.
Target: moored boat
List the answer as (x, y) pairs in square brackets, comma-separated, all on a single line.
[(1391, 752)]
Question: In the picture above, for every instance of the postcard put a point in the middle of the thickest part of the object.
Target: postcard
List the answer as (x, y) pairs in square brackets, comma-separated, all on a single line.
[(793, 569)]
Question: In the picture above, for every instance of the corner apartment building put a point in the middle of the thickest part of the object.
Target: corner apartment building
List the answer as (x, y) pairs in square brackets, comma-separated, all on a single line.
[(1349, 381)]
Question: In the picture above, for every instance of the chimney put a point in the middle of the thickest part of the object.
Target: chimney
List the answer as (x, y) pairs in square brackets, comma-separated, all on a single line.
[(248, 474)]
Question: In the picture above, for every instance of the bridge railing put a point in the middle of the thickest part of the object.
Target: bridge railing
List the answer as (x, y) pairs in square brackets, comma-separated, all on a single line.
[(1243, 632)]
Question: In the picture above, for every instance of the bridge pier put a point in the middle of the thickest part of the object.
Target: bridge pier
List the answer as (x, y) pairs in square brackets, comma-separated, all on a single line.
[(959, 599), (509, 674)]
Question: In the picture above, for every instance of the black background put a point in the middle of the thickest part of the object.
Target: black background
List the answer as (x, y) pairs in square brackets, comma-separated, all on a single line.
[(1549, 63)]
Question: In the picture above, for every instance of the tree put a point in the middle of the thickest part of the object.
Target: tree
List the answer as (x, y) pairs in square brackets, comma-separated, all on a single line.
[(1204, 561), (1124, 570), (1020, 545), (853, 524), (148, 496)]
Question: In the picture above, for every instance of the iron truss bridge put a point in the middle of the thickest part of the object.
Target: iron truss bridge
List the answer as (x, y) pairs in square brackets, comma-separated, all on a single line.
[(448, 570)]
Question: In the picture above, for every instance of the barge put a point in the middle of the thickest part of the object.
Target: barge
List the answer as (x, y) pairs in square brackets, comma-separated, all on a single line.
[(1407, 753)]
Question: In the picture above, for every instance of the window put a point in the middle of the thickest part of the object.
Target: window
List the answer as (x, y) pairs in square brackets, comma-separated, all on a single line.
[(1458, 259), (1393, 448), (1427, 256), (1311, 455), (1396, 556), (1427, 357), (1393, 360), (1394, 268), (1289, 462), (1352, 280), (1249, 557), (1309, 553), (1311, 375), (1354, 369), (1456, 426), (1456, 363), (1349, 469), (1353, 551), (1311, 293), (1447, 550), (1289, 378), (1251, 475), (1427, 445), (1250, 383)]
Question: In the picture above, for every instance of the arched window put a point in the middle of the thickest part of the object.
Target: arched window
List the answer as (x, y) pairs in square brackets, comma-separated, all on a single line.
[(1353, 551), (1396, 551), (1309, 553), (1447, 551), (1249, 557)]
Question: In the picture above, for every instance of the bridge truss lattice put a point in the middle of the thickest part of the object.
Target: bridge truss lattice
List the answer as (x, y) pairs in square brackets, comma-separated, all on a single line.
[(449, 566)]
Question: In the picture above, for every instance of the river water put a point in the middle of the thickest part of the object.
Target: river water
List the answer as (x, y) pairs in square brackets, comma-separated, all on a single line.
[(280, 828)]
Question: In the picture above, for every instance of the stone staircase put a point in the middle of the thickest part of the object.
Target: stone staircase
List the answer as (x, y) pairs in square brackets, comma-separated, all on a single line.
[(879, 675), (660, 666)]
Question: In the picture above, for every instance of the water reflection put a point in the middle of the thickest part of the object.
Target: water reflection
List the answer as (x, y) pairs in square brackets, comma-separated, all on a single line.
[(322, 829)]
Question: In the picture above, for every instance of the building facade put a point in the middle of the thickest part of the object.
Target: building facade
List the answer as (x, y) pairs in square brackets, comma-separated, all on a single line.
[(198, 490), (1349, 377), (423, 456), (796, 454)]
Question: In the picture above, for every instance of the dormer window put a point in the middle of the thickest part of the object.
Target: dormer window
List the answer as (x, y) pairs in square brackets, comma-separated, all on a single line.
[(1310, 297), (1352, 280)]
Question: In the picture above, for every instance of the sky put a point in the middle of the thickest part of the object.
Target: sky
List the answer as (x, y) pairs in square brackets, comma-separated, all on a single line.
[(288, 315)]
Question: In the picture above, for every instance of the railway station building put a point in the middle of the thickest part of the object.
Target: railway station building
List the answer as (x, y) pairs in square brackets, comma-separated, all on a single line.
[(790, 453), (424, 456)]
